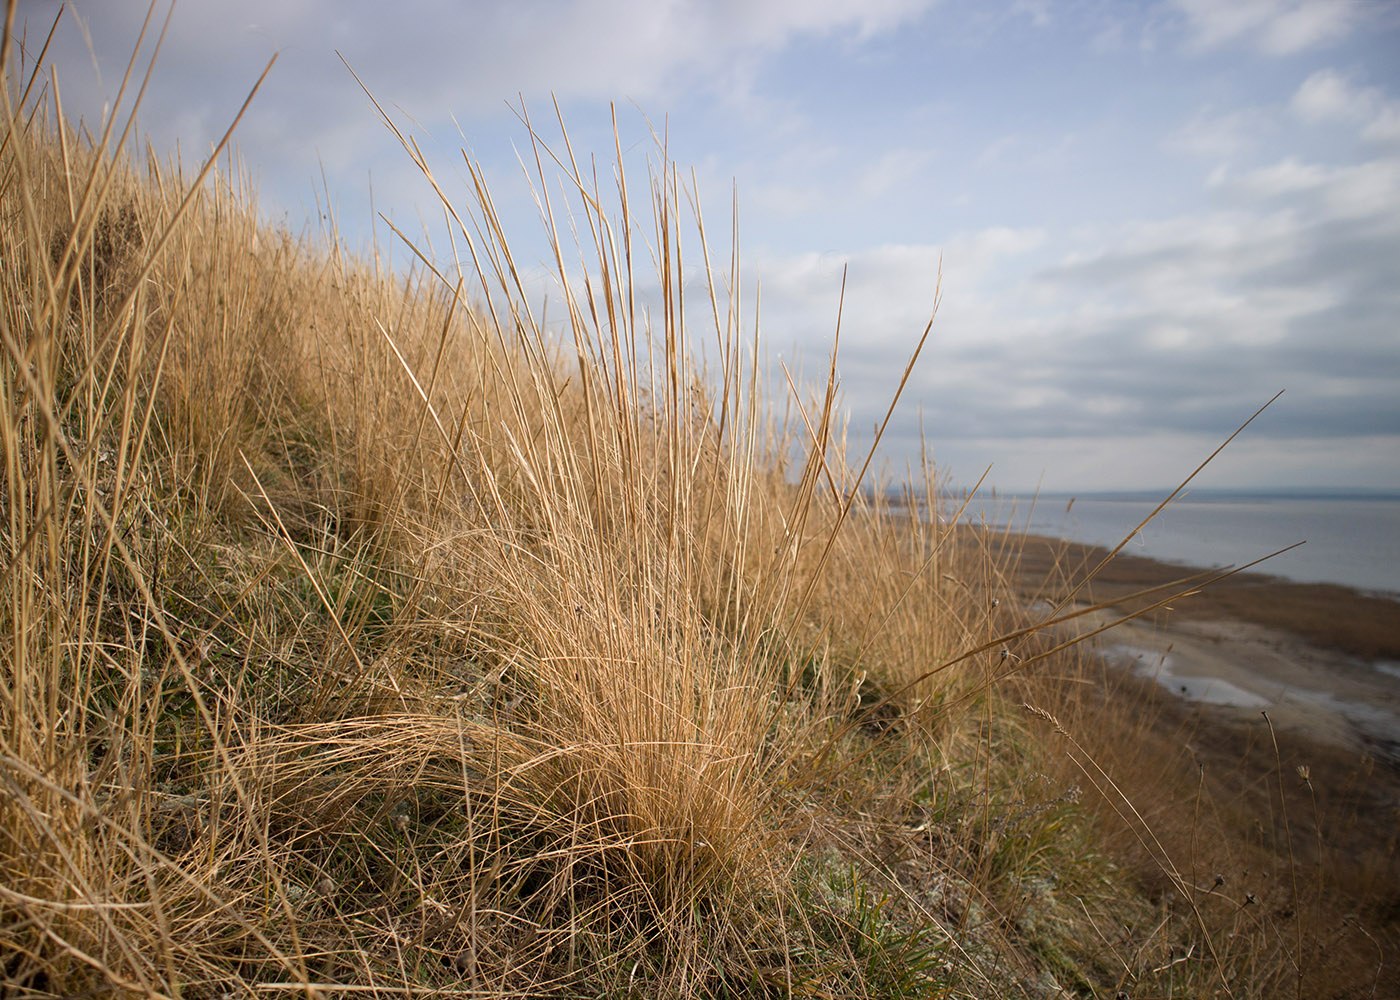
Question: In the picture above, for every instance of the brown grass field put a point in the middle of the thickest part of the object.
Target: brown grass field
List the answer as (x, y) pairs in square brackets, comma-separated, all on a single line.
[(363, 635)]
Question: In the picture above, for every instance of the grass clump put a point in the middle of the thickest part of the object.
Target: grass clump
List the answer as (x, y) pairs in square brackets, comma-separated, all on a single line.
[(362, 634)]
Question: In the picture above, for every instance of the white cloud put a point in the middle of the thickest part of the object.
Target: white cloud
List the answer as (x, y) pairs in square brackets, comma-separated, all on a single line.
[(1000, 151), (1177, 323), (1276, 27), (1219, 135), (1170, 324), (1177, 317), (1371, 188), (1385, 127), (581, 48), (1366, 190), (1288, 176), (440, 57), (1038, 12), (1328, 96), (1161, 458), (991, 246), (892, 170), (890, 292), (773, 21), (1020, 151)]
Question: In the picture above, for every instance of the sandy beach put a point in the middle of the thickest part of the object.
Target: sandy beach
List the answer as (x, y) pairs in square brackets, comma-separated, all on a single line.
[(1243, 669), (1322, 660)]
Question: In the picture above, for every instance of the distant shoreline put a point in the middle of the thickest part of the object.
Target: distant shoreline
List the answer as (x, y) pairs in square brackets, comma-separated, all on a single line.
[(1350, 540), (1208, 494), (1319, 658), (1331, 616)]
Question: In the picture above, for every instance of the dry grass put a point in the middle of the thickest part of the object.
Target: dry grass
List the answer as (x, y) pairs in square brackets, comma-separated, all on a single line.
[(363, 636)]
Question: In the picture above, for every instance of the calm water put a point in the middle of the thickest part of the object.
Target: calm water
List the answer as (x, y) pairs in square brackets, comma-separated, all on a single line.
[(1351, 540)]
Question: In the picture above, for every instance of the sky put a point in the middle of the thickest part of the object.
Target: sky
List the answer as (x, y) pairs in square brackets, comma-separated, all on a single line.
[(1149, 217)]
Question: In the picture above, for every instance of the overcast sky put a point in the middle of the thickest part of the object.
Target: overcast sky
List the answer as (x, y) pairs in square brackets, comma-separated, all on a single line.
[(1151, 216)]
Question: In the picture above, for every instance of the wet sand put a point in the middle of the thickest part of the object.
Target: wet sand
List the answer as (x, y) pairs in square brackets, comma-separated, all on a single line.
[(1322, 660), (1244, 669)]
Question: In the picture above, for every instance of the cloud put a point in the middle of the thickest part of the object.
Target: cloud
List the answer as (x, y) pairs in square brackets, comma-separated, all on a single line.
[(1052, 347), (440, 58), (890, 294), (1288, 293), (1091, 298), (1385, 127), (892, 170), (1162, 458), (1327, 96), (1220, 135), (1275, 27), (473, 54), (1038, 12), (1367, 189)]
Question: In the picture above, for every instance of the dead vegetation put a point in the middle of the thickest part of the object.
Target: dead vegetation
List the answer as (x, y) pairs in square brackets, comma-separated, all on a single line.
[(363, 636)]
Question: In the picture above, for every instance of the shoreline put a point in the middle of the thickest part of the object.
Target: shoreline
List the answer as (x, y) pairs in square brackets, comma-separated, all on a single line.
[(1285, 731), (1236, 671), (1346, 538), (1321, 659)]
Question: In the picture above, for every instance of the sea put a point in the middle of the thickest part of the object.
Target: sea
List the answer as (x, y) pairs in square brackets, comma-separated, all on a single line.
[(1350, 538)]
